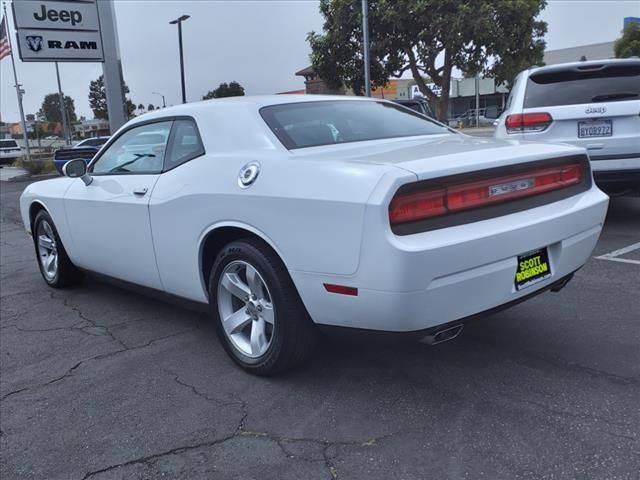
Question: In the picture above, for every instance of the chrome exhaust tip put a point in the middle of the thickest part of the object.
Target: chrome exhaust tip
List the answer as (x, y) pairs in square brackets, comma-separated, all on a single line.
[(444, 335), (556, 287)]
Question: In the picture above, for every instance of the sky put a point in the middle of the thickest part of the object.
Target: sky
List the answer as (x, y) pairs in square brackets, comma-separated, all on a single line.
[(259, 43)]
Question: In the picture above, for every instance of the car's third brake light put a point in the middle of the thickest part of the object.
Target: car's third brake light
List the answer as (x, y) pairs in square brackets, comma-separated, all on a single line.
[(434, 202), (527, 122)]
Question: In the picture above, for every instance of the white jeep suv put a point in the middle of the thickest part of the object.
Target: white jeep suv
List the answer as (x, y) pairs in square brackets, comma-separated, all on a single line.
[(591, 104), (9, 151)]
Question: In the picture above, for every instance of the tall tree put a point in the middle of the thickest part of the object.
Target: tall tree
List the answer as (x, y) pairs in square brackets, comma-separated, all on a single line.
[(151, 107), (629, 44), (51, 111), (98, 99), (233, 89), (429, 38), (140, 108)]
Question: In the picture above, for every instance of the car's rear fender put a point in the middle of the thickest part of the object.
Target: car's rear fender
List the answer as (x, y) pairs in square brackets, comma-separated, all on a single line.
[(309, 212), (214, 238)]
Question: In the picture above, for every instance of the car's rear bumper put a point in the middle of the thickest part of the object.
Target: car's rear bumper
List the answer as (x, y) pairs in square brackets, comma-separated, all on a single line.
[(9, 157), (618, 179), (419, 281)]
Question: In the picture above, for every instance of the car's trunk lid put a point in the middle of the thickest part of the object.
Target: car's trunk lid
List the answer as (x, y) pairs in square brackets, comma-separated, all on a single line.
[(440, 155)]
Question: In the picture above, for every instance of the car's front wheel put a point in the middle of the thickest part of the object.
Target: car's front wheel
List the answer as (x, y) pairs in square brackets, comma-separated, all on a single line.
[(259, 316), (55, 266)]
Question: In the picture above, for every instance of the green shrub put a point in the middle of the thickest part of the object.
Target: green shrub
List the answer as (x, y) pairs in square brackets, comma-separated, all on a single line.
[(36, 166)]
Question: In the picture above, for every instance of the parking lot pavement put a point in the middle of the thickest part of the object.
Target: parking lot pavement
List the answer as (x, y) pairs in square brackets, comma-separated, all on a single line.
[(99, 383)]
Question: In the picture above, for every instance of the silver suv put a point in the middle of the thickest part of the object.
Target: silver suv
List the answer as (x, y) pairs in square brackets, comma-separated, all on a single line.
[(591, 104)]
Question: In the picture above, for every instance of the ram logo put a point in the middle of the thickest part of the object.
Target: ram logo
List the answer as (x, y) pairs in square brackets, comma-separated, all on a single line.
[(34, 42)]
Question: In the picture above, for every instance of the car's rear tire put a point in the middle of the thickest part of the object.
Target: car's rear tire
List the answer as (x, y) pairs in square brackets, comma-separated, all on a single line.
[(54, 263), (259, 316)]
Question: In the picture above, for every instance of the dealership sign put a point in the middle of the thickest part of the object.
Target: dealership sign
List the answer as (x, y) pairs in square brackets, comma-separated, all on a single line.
[(416, 93), (58, 31)]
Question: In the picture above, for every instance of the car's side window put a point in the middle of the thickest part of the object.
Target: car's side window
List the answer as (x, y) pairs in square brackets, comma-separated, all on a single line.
[(139, 150), (185, 144)]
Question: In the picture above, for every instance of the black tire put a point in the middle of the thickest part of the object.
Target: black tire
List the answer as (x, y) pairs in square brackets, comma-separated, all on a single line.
[(66, 274), (293, 336)]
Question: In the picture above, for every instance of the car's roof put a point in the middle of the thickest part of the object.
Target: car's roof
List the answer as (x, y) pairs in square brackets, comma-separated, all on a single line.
[(257, 102), (584, 64)]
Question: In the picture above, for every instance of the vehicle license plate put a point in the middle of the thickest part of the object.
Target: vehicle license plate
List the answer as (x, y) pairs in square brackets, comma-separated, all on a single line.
[(533, 267), (595, 128)]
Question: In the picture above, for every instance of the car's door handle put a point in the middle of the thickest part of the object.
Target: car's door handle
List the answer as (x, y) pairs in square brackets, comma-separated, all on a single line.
[(140, 191)]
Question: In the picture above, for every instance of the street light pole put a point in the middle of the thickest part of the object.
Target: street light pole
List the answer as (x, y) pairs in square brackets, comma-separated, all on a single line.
[(179, 22), (365, 47), (164, 104)]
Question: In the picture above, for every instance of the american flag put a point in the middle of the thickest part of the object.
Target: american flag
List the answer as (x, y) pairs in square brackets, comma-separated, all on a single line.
[(4, 39)]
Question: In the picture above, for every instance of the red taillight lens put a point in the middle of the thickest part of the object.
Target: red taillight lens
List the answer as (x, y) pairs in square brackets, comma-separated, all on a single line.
[(527, 122), (418, 205), (413, 206)]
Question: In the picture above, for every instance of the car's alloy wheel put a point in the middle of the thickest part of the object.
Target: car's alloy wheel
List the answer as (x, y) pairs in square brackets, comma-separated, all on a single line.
[(55, 265), (47, 250), (258, 313), (246, 309)]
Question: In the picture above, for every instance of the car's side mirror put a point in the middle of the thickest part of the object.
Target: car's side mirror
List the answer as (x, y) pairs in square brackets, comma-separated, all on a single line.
[(491, 112), (77, 169)]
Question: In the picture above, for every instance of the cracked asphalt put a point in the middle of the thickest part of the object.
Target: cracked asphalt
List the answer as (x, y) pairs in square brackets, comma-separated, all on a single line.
[(100, 383)]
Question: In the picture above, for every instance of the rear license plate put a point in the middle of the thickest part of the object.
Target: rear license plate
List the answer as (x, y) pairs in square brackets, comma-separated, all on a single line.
[(533, 267), (595, 128)]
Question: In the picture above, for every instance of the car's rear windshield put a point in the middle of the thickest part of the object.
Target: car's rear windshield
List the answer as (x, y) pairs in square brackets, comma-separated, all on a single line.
[(579, 85), (312, 124), (8, 144)]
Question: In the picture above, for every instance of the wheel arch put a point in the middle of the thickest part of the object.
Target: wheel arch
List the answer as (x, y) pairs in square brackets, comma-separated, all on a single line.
[(35, 207), (216, 237)]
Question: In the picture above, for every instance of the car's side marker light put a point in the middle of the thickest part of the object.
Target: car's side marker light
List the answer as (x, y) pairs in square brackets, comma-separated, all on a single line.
[(341, 289)]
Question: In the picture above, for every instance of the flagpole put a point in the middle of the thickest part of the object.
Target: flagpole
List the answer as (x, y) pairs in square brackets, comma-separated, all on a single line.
[(18, 90)]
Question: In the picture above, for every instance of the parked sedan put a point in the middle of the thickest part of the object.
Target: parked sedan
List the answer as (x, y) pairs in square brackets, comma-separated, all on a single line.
[(85, 149), (418, 104), (95, 142), (285, 213)]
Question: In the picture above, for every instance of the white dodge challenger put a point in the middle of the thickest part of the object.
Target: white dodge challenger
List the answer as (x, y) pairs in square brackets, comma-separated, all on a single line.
[(284, 213)]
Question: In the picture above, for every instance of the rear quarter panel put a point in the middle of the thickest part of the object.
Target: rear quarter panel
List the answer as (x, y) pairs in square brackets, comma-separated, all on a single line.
[(311, 212)]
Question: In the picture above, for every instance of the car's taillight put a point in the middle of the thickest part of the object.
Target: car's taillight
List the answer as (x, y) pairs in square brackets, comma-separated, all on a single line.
[(412, 205), (527, 122)]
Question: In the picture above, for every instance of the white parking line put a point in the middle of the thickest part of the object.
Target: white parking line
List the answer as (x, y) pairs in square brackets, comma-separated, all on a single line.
[(613, 256)]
